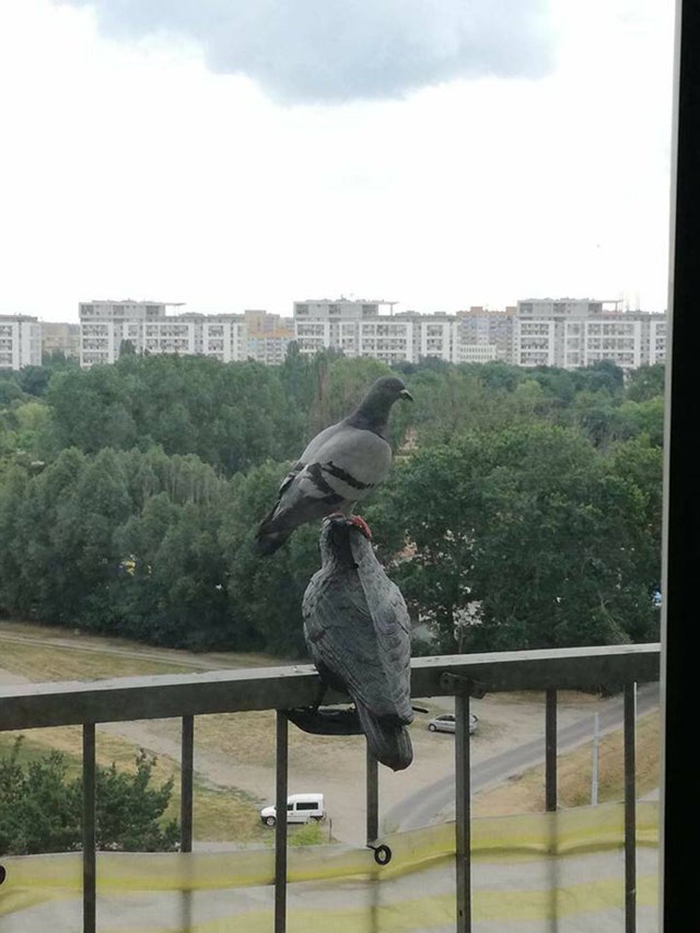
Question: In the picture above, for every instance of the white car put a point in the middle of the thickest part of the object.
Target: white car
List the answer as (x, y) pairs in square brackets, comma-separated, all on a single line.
[(446, 723), (301, 808)]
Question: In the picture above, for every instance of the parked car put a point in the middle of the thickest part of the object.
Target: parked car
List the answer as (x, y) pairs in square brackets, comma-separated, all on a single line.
[(301, 808), (446, 723)]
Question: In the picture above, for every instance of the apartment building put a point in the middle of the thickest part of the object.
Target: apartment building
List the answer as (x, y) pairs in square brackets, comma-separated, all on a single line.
[(151, 330), (569, 333), (483, 335), (268, 336), (63, 337), (362, 328), (20, 341), (105, 325)]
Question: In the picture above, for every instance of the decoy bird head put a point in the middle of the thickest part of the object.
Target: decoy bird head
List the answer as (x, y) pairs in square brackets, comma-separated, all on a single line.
[(335, 540)]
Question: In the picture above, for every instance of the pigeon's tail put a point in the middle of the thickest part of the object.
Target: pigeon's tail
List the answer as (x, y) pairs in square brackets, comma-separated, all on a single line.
[(388, 739), (267, 540)]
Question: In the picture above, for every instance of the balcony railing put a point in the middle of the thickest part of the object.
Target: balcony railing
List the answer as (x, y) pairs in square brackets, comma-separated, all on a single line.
[(285, 688)]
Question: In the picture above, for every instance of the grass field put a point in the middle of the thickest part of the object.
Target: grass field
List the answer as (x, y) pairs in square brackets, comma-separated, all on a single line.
[(231, 815), (219, 815), (526, 792)]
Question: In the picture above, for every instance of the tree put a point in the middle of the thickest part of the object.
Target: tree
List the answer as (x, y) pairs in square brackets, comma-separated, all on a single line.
[(266, 594), (520, 538), (646, 382), (42, 807)]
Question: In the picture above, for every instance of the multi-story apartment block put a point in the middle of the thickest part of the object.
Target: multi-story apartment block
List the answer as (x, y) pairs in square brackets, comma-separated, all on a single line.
[(147, 326), (359, 328), (319, 324), (20, 341), (60, 336), (569, 333), (104, 325), (268, 336), (565, 332), (483, 335)]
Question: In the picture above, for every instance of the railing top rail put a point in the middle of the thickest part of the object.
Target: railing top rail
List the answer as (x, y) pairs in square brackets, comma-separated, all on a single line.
[(28, 706)]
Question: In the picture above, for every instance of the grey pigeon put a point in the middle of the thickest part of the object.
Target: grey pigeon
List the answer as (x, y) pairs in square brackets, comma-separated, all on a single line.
[(339, 467), (357, 631)]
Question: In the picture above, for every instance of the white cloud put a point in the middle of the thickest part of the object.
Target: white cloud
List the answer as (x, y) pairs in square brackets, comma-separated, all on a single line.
[(130, 169), (331, 50)]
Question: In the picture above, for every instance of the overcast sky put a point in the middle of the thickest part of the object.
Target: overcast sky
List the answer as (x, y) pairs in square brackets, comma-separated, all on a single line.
[(236, 154)]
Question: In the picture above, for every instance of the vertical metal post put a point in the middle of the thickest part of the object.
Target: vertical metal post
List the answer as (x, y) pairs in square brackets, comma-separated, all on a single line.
[(594, 764), (186, 783), (372, 784), (463, 813), (550, 740), (89, 831), (282, 757), (630, 809)]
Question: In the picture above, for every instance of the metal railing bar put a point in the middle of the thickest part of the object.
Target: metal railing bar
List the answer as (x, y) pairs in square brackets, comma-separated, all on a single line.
[(89, 830), (463, 813), (281, 793), (630, 711), (27, 706), (186, 783), (550, 742), (372, 786)]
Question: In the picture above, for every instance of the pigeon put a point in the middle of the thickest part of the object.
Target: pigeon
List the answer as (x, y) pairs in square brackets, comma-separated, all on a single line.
[(340, 466), (357, 630)]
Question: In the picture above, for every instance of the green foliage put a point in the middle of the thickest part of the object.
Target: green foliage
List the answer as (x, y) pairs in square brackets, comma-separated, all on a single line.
[(646, 383), (267, 593), (231, 416), (522, 538), (527, 499), (42, 807)]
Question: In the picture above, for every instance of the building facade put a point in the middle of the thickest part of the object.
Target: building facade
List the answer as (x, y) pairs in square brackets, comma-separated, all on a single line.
[(151, 330), (566, 333), (570, 333), (268, 336), (60, 337), (20, 341), (361, 328)]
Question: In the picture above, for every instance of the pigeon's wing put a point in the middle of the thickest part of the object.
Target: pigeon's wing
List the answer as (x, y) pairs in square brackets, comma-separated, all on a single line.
[(341, 637), (390, 619), (343, 464)]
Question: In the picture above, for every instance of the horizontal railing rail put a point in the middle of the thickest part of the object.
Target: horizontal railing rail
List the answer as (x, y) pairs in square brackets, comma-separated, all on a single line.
[(163, 696), (185, 696)]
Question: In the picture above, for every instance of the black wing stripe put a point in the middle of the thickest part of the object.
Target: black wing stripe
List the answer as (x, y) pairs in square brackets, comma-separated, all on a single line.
[(343, 475), (315, 471)]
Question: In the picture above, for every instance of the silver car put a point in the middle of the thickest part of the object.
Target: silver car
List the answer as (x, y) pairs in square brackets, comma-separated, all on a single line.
[(446, 723)]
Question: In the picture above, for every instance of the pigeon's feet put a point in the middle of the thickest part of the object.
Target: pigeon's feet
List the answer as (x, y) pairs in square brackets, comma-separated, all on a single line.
[(360, 523)]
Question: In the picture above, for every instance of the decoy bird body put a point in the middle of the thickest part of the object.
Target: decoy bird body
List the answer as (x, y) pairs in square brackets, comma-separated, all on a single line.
[(339, 467), (357, 630)]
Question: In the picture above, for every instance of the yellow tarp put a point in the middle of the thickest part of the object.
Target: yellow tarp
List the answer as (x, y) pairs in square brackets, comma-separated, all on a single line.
[(524, 868)]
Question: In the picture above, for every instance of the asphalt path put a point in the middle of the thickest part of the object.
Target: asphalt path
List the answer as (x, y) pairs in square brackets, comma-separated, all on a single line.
[(425, 806)]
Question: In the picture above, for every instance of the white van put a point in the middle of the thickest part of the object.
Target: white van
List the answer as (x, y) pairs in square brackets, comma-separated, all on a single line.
[(301, 808)]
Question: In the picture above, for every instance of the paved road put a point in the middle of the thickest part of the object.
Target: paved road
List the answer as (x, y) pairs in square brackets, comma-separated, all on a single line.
[(423, 807)]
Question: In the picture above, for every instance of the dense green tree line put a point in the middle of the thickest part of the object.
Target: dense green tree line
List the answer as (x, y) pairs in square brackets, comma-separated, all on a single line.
[(524, 508)]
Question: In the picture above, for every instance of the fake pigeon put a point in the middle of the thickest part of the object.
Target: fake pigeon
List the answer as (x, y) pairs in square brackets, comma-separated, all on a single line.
[(340, 467), (357, 631)]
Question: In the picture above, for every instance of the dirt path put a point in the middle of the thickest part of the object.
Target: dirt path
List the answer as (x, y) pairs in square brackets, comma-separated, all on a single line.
[(332, 765), (337, 767)]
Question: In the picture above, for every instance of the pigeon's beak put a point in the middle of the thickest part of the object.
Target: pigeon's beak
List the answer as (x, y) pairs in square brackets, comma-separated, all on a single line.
[(405, 395)]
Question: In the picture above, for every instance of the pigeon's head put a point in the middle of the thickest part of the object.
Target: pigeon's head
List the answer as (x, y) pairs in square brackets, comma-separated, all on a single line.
[(390, 389), (373, 412)]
